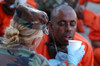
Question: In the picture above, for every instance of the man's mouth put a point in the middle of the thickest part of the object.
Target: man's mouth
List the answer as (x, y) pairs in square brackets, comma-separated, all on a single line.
[(68, 38)]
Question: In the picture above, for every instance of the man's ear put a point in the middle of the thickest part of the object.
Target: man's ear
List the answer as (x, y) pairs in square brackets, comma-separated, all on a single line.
[(50, 25), (51, 30)]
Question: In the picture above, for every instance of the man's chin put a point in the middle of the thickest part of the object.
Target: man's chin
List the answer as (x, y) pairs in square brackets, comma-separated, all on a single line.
[(63, 46)]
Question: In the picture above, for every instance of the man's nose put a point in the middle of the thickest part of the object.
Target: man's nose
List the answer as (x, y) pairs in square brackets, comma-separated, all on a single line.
[(68, 28)]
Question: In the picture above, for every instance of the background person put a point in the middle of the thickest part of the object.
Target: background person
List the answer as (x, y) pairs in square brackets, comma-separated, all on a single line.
[(7, 9)]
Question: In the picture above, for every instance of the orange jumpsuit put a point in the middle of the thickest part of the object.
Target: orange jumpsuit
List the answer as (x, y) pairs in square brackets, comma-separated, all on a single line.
[(88, 15), (95, 28), (80, 27), (96, 56), (87, 60), (32, 3), (95, 1), (95, 35), (5, 19)]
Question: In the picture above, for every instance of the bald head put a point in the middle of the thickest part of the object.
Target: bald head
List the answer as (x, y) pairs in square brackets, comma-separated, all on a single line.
[(63, 25), (62, 9)]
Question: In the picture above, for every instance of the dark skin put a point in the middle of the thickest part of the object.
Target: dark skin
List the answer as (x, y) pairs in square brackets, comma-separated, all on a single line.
[(96, 43), (62, 26), (6, 7)]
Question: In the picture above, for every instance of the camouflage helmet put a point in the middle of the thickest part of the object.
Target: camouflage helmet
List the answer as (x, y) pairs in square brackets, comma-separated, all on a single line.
[(30, 17)]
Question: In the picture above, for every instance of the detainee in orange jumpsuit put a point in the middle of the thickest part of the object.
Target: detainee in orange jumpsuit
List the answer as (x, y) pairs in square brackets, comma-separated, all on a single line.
[(88, 16), (6, 13), (80, 24), (62, 28), (87, 59), (94, 36), (85, 17)]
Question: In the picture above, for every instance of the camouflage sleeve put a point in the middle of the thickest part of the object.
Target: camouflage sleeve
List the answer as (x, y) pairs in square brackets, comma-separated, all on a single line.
[(44, 60), (21, 57)]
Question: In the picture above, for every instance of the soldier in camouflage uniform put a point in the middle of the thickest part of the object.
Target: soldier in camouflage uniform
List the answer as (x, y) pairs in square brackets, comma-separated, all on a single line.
[(48, 5), (22, 36)]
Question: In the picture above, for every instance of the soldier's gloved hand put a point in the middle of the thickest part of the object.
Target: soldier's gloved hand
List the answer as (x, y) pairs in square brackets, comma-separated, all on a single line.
[(59, 59), (61, 56), (55, 62), (75, 57)]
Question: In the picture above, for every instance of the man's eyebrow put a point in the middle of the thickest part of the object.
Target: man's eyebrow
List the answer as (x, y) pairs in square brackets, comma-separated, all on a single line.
[(62, 21), (73, 21), (65, 21)]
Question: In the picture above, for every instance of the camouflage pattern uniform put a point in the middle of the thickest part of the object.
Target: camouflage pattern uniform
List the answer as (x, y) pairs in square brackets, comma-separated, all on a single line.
[(48, 4), (19, 56)]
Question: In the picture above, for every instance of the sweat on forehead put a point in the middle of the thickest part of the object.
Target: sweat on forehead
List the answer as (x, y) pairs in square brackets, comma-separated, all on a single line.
[(60, 8)]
